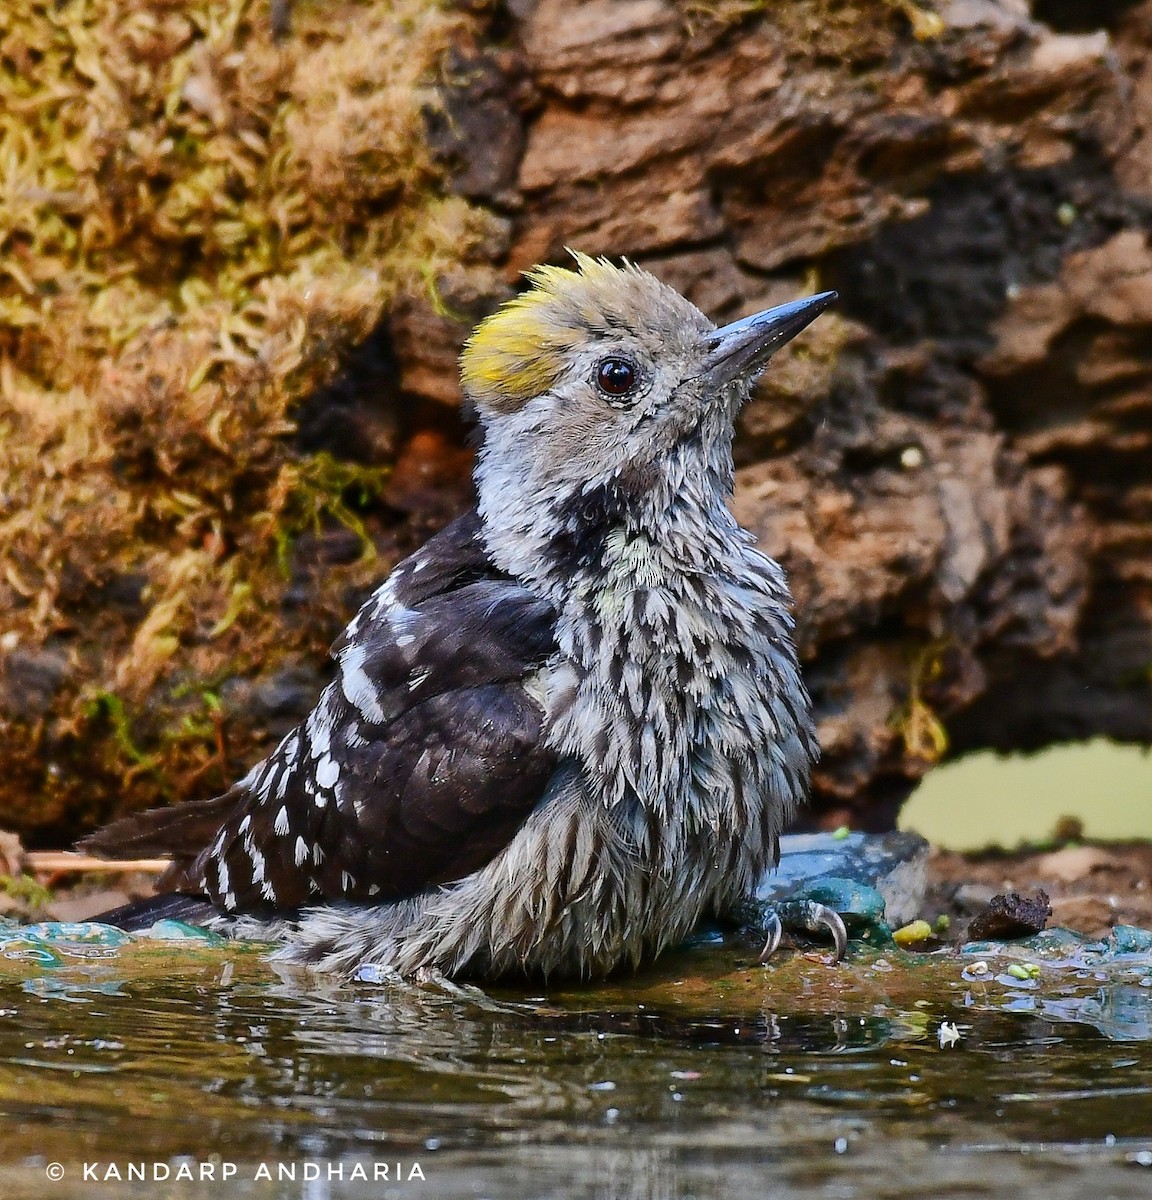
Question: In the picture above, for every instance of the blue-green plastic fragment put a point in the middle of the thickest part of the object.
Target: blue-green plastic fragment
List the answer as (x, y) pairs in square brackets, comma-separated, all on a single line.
[(169, 930), (32, 949), (77, 933), (1126, 946), (1130, 939)]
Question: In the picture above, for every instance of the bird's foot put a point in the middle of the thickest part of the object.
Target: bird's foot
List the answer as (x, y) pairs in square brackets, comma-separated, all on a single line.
[(432, 978), (806, 916)]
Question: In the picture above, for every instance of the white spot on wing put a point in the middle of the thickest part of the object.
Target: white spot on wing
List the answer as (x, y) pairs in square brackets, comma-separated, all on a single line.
[(319, 733), (327, 772), (281, 825), (301, 851), (357, 687), (384, 596)]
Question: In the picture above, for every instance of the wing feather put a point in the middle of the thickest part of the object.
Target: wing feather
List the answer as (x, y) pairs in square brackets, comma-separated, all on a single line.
[(422, 758)]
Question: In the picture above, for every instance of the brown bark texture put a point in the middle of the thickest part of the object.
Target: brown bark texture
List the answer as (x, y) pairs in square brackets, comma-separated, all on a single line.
[(955, 467)]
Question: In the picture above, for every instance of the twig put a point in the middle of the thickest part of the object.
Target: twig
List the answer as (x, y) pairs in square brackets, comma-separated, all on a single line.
[(44, 862)]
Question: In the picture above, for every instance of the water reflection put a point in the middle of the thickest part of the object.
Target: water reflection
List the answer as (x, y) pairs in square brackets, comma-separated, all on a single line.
[(710, 1079)]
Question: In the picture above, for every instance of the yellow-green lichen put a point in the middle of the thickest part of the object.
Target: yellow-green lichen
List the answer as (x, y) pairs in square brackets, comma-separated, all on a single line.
[(922, 731)]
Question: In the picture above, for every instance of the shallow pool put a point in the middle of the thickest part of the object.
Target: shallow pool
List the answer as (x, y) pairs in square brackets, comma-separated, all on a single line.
[(210, 1074)]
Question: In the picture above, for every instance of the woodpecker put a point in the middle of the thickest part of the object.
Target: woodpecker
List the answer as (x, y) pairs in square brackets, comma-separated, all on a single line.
[(573, 723)]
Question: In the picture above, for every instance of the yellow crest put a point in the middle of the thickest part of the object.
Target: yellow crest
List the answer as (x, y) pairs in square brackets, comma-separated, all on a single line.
[(519, 350)]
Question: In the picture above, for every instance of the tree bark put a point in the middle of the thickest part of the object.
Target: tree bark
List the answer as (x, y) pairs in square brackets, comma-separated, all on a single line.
[(956, 468)]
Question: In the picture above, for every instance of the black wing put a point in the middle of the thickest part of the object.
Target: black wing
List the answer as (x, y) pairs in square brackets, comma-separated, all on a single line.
[(423, 757)]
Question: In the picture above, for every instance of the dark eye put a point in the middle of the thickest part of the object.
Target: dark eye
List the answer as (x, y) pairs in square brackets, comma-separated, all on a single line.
[(616, 376)]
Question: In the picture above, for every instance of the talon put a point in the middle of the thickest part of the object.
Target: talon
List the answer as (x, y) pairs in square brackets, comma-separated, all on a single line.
[(830, 919), (809, 916), (775, 933)]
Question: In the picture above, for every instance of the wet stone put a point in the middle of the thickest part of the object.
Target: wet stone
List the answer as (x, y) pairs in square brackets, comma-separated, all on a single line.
[(1011, 916), (838, 871)]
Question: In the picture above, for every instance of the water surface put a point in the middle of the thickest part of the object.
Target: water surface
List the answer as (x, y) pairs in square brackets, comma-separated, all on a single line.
[(706, 1077)]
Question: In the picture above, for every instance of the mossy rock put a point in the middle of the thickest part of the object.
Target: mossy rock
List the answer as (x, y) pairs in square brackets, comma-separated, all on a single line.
[(200, 224)]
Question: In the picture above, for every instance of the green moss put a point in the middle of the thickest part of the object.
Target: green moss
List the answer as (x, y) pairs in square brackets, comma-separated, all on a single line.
[(198, 224), (323, 489), (109, 708), (29, 891)]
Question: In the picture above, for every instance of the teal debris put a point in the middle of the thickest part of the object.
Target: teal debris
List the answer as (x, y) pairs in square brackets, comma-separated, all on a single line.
[(1129, 939), (29, 949), (77, 933), (50, 943), (168, 930), (861, 906)]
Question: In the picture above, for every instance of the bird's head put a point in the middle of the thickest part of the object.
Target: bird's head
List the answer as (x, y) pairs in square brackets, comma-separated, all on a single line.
[(602, 377)]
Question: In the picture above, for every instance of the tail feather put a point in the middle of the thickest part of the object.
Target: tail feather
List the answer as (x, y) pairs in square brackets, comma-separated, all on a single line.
[(180, 832), (171, 906)]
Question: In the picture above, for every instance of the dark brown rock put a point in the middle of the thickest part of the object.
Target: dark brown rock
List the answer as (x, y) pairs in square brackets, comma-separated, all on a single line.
[(1011, 916)]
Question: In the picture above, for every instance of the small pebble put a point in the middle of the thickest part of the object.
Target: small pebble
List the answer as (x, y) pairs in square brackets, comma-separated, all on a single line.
[(912, 934), (1024, 971)]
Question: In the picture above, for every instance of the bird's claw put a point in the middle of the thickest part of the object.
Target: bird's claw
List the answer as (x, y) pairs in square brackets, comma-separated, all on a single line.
[(809, 916), (775, 929), (830, 919)]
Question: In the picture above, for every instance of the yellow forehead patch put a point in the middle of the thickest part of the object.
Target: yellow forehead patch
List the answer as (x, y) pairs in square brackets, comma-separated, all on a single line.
[(519, 350)]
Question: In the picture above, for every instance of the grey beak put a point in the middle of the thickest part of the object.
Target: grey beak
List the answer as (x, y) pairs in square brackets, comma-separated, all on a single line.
[(740, 350)]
